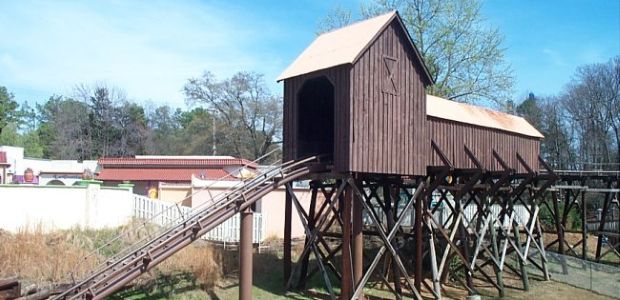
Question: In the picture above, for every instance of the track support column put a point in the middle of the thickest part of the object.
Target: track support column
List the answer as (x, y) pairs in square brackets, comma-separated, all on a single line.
[(288, 214), (358, 240), (245, 254), (347, 276), (584, 227)]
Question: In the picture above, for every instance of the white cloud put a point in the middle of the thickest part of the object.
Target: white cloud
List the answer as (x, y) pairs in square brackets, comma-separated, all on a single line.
[(148, 48)]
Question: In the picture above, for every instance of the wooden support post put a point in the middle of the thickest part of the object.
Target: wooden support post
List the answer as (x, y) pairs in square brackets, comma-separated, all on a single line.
[(358, 241), (464, 236), (618, 227), (522, 262), (603, 220), (245, 255), (311, 223), (559, 229), (288, 214), (346, 290), (419, 240), (584, 227), (494, 247), (389, 215)]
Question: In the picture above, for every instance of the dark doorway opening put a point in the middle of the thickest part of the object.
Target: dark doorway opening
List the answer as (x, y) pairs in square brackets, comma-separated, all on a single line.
[(315, 121)]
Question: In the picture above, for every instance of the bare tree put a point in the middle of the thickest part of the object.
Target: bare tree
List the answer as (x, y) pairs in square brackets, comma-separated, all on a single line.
[(249, 115), (592, 101)]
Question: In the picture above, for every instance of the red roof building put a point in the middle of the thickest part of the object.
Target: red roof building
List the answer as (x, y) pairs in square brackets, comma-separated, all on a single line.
[(147, 172)]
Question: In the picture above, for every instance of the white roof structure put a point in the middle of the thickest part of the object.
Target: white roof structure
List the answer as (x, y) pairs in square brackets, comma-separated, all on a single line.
[(465, 113)]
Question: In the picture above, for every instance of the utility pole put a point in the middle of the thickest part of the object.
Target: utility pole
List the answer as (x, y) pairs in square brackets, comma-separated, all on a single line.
[(213, 134)]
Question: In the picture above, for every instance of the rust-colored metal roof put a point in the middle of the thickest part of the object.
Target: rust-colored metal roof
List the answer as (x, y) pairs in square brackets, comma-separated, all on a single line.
[(201, 162), (166, 174), (344, 46), (466, 113)]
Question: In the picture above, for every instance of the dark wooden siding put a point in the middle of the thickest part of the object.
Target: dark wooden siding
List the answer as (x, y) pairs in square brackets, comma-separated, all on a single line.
[(339, 77), (453, 136), (388, 125)]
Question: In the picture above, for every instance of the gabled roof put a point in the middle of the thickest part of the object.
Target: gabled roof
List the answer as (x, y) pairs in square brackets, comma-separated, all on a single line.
[(470, 114), (345, 46)]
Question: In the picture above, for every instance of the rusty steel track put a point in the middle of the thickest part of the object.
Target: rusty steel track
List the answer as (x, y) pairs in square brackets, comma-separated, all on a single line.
[(114, 274)]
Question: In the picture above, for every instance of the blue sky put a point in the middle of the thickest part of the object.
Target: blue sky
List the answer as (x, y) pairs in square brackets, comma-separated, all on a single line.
[(150, 48)]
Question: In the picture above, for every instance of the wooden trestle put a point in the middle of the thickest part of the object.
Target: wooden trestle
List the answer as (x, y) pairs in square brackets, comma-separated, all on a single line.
[(468, 216), (573, 191), (406, 233)]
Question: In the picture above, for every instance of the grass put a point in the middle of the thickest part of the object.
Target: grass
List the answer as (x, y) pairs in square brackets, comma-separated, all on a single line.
[(201, 271), (43, 259)]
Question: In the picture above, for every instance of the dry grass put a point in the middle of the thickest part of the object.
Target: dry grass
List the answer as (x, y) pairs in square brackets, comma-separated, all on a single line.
[(37, 257), (200, 260)]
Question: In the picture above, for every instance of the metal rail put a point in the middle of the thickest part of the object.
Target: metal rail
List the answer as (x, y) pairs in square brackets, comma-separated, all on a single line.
[(114, 274)]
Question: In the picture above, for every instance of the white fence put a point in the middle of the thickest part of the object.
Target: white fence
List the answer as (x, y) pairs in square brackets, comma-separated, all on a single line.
[(228, 232), (443, 215), (522, 215), (609, 226), (158, 212), (165, 213)]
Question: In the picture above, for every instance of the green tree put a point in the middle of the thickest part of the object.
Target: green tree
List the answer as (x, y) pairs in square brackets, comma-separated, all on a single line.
[(11, 136), (164, 132), (131, 122), (64, 129), (27, 117), (463, 53), (8, 108), (104, 133), (532, 111), (197, 133)]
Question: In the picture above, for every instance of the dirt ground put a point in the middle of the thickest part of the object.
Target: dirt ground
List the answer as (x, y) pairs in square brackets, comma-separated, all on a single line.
[(573, 238), (538, 290)]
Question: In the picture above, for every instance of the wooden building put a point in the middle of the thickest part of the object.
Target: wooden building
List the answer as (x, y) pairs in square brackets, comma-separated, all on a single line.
[(358, 94), (454, 126)]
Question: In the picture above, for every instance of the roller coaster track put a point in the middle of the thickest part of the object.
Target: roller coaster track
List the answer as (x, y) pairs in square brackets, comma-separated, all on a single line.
[(116, 273)]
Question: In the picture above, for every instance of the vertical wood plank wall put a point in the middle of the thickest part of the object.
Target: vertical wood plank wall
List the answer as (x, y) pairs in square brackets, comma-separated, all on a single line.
[(453, 136), (388, 130), (339, 77)]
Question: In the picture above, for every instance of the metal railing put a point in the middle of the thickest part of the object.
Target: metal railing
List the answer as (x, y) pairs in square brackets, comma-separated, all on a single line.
[(599, 278), (121, 269)]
